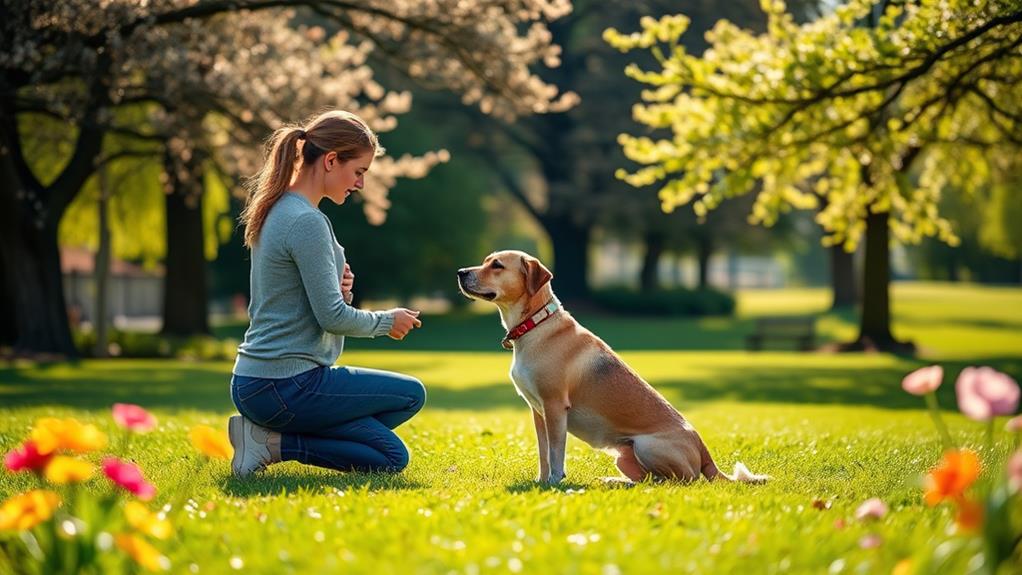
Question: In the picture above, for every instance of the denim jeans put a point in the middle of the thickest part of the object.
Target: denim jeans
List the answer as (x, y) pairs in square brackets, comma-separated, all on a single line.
[(336, 417)]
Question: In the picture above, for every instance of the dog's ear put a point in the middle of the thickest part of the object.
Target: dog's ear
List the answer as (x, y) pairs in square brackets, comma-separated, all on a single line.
[(536, 274)]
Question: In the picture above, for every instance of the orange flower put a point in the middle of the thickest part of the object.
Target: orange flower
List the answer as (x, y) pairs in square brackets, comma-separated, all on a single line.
[(143, 553), (27, 510), (63, 470), (970, 516), (139, 517), (949, 480), (210, 442), (51, 434)]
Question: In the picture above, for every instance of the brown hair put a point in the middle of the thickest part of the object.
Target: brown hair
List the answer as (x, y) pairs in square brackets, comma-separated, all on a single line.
[(334, 131)]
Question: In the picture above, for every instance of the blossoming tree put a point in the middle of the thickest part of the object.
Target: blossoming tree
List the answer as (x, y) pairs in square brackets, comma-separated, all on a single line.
[(80, 63)]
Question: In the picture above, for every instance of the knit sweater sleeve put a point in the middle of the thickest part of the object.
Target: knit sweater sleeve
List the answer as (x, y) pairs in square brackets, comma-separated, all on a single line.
[(309, 243)]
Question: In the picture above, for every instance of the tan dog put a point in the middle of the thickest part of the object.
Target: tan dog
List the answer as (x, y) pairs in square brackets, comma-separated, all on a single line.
[(575, 382)]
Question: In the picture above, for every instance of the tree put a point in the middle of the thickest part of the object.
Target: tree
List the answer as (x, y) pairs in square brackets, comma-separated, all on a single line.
[(77, 62), (878, 120), (574, 152)]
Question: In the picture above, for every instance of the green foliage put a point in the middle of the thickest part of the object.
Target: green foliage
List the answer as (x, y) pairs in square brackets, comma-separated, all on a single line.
[(136, 185), (833, 113), (666, 303), (132, 344)]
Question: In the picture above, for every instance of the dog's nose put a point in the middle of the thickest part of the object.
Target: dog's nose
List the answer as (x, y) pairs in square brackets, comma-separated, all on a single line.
[(463, 272)]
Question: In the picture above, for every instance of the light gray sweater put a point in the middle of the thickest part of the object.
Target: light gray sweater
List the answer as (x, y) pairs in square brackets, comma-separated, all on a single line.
[(298, 315)]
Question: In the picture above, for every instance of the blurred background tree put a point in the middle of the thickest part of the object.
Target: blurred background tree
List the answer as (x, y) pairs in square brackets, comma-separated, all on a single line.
[(879, 108)]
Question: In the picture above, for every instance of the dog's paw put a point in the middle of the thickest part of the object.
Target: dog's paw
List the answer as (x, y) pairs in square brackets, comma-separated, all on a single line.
[(617, 482), (555, 478)]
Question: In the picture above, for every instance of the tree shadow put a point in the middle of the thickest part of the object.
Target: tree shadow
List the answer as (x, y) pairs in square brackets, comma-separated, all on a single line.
[(177, 386)]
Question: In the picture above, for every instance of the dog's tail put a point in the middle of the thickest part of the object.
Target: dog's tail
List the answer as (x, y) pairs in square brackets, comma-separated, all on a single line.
[(741, 472)]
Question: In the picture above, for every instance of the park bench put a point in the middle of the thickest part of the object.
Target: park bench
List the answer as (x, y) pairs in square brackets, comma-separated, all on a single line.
[(800, 329)]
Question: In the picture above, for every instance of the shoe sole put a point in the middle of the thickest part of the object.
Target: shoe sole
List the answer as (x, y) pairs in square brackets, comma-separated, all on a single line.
[(236, 434)]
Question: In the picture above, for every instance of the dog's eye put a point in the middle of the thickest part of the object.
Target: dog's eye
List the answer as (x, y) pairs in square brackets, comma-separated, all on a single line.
[(497, 265)]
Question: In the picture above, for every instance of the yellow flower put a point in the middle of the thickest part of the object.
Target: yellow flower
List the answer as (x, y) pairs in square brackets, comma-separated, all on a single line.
[(51, 434), (904, 567), (27, 510), (62, 470), (140, 518), (143, 553), (210, 443)]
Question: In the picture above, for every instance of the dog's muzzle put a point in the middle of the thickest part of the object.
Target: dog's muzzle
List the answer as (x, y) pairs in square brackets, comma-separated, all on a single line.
[(465, 285)]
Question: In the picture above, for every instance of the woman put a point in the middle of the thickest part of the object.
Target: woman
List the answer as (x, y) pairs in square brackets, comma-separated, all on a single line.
[(294, 405)]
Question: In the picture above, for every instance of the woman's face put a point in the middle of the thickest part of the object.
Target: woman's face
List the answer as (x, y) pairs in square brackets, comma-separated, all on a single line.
[(341, 179)]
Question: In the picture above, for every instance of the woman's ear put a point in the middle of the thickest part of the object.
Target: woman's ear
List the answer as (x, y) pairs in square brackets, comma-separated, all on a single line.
[(329, 159)]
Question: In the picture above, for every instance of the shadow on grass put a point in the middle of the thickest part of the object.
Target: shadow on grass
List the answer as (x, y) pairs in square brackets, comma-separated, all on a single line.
[(532, 486), (176, 386), (277, 483)]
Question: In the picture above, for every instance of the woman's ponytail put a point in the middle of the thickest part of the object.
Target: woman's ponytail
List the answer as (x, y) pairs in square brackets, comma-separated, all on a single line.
[(272, 180)]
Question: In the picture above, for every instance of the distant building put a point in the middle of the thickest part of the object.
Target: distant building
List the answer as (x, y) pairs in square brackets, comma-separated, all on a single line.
[(134, 292)]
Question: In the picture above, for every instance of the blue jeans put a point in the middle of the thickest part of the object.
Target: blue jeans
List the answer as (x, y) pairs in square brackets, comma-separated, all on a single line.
[(336, 417)]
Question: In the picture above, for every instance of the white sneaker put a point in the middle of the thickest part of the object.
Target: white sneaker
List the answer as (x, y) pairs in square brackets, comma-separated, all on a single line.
[(251, 453)]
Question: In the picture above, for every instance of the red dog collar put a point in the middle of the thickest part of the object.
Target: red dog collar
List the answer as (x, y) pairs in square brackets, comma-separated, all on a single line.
[(521, 329)]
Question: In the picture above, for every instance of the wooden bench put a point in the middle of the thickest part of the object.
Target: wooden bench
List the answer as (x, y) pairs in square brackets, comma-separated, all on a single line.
[(800, 329)]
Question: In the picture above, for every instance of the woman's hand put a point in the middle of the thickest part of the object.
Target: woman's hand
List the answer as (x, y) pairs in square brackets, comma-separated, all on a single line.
[(404, 321), (347, 283)]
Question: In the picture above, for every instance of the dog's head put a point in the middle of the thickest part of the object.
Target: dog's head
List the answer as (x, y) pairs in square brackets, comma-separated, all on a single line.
[(504, 277)]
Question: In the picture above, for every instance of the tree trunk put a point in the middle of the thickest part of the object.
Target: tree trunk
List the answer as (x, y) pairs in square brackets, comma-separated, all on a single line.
[(875, 323), (842, 279), (102, 267), (33, 312), (952, 265), (29, 255), (649, 275), (571, 259), (32, 278), (704, 251), (185, 296)]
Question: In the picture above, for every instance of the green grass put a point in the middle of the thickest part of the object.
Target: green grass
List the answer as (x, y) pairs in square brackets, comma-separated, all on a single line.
[(831, 428)]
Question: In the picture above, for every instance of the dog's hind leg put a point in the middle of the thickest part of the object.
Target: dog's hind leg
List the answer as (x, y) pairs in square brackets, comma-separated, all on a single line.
[(629, 465), (666, 459)]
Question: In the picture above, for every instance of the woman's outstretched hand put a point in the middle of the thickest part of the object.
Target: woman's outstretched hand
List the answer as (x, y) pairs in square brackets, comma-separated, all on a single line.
[(404, 321)]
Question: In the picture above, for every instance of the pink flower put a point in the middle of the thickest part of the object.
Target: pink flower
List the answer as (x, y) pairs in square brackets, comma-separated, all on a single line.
[(923, 380), (1014, 424), (133, 418), (871, 509), (871, 541), (1015, 471), (27, 457), (984, 392), (128, 476)]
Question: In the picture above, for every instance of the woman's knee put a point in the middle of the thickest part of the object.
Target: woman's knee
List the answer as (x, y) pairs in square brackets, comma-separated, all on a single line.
[(417, 392), (397, 457)]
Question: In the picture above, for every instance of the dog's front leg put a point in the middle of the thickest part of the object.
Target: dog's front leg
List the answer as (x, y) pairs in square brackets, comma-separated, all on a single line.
[(555, 415), (544, 450)]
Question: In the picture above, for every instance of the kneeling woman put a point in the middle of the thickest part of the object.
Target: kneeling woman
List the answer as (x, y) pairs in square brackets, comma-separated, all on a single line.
[(294, 404)]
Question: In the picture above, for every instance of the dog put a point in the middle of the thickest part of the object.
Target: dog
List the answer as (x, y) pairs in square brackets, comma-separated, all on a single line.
[(574, 382)]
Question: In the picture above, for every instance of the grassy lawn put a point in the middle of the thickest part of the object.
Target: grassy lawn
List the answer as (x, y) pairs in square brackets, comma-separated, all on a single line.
[(832, 430)]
